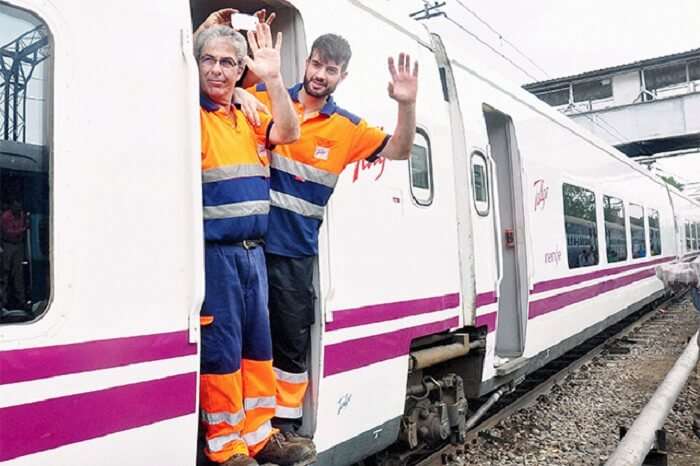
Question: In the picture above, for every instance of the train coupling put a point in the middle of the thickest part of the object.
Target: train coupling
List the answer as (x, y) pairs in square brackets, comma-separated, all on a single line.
[(435, 412)]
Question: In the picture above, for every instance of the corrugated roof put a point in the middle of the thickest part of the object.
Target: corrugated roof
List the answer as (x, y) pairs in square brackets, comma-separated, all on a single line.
[(539, 85)]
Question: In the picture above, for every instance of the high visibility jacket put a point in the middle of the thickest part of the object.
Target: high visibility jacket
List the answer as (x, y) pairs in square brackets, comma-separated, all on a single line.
[(303, 174), (235, 174)]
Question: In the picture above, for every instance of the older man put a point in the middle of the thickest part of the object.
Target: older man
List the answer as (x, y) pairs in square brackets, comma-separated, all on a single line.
[(237, 382)]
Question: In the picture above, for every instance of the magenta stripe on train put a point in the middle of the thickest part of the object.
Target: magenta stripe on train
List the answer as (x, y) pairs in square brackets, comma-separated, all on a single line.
[(553, 303), (390, 311), (549, 285), (352, 354), (44, 425), (49, 361), (349, 355)]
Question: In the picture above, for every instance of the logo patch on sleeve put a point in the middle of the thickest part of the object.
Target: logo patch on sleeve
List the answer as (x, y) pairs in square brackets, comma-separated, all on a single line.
[(321, 153)]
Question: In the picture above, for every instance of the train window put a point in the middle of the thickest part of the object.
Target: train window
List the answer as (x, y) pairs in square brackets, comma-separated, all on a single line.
[(480, 183), (421, 170), (638, 237), (615, 229), (25, 117), (654, 232), (688, 237), (581, 226)]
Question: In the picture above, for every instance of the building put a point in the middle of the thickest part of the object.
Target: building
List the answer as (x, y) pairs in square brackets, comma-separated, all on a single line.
[(643, 108)]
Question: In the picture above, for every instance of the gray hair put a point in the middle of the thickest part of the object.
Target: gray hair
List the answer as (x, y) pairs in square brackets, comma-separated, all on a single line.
[(235, 38)]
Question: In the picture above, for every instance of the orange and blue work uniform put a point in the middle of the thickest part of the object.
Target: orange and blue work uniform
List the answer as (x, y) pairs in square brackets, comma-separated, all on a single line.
[(302, 178), (237, 383)]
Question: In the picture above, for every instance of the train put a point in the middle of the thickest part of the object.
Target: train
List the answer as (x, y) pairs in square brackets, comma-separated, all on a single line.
[(509, 237)]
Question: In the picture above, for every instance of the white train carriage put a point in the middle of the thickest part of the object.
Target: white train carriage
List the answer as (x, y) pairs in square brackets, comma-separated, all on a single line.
[(509, 237)]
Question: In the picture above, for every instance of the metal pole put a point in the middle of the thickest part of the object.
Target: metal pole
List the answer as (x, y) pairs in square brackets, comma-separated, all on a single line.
[(639, 439)]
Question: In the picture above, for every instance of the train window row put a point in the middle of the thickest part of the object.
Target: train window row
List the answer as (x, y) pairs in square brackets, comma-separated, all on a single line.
[(692, 236), (581, 226)]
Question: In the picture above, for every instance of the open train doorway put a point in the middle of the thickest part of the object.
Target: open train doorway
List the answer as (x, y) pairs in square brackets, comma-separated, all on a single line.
[(511, 254), (289, 22)]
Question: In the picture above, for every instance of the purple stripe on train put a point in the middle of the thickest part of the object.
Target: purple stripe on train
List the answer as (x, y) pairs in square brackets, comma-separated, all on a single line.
[(390, 311), (484, 299), (49, 361), (549, 285), (44, 425), (553, 303), (489, 320), (353, 354)]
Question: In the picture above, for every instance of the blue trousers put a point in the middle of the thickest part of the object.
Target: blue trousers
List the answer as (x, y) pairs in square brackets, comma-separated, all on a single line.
[(237, 382)]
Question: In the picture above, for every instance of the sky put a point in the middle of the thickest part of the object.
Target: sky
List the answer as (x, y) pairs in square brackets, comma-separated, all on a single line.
[(567, 37)]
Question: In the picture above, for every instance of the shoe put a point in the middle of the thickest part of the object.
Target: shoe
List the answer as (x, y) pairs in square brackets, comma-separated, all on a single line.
[(281, 451), (293, 436), (240, 460)]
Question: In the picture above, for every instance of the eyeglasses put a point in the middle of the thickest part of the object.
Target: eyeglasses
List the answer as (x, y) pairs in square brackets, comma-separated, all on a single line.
[(226, 63)]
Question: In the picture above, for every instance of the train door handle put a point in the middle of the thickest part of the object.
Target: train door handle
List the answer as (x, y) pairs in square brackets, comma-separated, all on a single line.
[(509, 238)]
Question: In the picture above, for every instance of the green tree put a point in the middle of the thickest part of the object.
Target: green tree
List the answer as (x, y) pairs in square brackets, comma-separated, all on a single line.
[(672, 181)]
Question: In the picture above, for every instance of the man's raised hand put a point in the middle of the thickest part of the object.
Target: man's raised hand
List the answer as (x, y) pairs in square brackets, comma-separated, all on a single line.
[(266, 56), (403, 86)]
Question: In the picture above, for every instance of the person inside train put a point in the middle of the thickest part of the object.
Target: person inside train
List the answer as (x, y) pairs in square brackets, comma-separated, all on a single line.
[(13, 229), (237, 382), (303, 175)]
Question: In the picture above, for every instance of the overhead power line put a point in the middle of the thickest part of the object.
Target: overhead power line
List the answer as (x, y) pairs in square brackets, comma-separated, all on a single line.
[(501, 37), (431, 11), (490, 47)]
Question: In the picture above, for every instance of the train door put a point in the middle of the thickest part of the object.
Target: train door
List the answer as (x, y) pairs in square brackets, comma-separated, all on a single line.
[(463, 196), (512, 283), (101, 221)]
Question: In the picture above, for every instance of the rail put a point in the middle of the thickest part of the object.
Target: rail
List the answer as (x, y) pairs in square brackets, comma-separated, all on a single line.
[(636, 444)]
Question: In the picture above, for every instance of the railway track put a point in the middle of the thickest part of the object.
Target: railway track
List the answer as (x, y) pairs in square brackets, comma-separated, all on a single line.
[(616, 339)]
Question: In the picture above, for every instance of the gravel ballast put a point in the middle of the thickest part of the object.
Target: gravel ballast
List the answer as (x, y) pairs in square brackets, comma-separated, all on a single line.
[(577, 422)]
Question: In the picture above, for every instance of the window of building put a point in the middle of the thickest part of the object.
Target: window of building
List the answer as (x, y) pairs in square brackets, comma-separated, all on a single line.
[(25, 79), (555, 97), (581, 226), (480, 183), (694, 70), (694, 232), (593, 90), (665, 76), (421, 169), (654, 232), (615, 229), (639, 245)]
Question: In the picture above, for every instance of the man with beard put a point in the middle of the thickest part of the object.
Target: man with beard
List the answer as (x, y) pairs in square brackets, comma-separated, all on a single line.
[(303, 175)]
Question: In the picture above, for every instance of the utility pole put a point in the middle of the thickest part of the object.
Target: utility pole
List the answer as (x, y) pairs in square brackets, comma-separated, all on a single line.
[(428, 11)]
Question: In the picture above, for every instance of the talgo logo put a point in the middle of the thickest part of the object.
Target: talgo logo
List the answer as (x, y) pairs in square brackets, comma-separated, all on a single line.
[(541, 192)]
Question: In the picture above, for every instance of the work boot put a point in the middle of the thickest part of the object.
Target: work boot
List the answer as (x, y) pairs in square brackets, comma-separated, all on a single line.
[(281, 451), (293, 436), (240, 460)]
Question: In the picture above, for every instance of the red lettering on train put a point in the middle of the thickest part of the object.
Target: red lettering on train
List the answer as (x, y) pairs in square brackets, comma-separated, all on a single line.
[(362, 165)]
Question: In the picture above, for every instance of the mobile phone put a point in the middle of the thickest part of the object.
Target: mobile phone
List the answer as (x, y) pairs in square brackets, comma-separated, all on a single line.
[(243, 22)]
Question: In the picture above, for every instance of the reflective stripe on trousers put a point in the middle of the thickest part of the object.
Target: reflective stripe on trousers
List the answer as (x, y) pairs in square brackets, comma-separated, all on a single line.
[(291, 389)]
